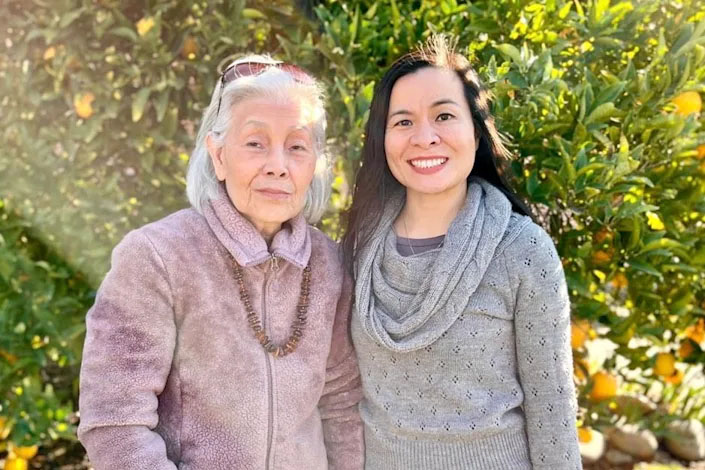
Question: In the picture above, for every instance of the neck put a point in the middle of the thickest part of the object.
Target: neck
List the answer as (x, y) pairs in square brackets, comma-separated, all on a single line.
[(268, 231), (429, 215)]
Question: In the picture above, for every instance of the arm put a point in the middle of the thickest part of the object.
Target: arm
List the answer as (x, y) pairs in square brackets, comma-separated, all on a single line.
[(342, 426), (130, 340), (544, 356)]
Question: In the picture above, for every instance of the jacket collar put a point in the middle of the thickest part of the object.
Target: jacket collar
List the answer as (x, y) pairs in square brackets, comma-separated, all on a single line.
[(244, 242)]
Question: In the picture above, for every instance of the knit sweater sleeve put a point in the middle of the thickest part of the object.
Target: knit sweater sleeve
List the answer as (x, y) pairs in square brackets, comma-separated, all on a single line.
[(544, 356)]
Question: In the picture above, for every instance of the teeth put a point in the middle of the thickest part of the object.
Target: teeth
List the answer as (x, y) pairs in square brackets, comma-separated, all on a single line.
[(428, 163)]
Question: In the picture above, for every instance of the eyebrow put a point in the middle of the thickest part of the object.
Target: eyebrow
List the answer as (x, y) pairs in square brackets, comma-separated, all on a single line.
[(433, 105)]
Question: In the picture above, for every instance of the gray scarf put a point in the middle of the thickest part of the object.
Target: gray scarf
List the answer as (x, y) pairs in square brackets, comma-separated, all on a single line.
[(446, 287)]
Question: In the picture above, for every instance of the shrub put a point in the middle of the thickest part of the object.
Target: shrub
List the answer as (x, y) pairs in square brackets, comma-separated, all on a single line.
[(600, 102)]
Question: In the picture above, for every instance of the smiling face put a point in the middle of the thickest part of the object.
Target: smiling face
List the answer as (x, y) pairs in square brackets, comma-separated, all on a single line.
[(430, 140), (267, 160)]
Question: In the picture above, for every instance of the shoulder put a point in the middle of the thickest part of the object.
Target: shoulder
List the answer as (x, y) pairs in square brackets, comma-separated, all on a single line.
[(177, 230), (323, 245), (329, 253), (528, 246)]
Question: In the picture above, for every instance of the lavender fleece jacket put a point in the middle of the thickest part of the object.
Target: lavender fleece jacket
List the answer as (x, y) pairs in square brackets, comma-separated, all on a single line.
[(172, 376)]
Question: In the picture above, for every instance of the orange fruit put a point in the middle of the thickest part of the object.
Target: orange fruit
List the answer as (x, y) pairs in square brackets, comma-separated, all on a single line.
[(687, 103), (604, 386), (580, 369), (701, 151), (696, 332), (602, 235), (15, 464), (579, 331), (665, 364), (601, 257), (584, 435), (10, 358), (189, 48), (676, 378), (686, 349), (619, 281), (25, 452), (83, 104)]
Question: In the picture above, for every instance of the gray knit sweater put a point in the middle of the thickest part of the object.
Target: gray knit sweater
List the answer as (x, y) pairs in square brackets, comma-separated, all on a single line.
[(465, 351)]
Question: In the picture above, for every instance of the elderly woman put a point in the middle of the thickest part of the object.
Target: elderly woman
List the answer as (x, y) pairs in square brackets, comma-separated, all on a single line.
[(219, 338)]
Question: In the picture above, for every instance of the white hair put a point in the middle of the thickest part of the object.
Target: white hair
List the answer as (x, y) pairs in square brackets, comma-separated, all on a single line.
[(201, 182)]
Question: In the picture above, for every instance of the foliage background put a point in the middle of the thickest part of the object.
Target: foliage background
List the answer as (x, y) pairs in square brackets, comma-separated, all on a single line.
[(101, 100)]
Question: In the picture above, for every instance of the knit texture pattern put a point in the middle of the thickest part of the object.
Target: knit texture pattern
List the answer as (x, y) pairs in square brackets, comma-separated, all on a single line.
[(489, 384)]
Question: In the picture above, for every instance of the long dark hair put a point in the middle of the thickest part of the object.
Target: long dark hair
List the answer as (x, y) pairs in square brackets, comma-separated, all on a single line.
[(374, 180)]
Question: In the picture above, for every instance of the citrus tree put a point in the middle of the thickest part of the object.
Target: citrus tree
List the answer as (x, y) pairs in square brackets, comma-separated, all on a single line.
[(600, 102)]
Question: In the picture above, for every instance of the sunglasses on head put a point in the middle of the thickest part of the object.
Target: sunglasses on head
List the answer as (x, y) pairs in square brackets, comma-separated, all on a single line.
[(246, 69)]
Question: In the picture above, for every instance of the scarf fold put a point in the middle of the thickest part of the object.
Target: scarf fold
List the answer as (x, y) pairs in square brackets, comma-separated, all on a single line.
[(447, 284)]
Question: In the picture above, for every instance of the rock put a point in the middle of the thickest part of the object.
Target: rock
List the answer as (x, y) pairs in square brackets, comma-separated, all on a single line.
[(634, 405), (617, 457), (664, 457), (685, 439), (629, 438), (592, 451)]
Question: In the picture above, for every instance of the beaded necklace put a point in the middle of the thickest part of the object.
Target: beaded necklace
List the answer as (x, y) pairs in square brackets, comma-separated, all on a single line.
[(297, 326)]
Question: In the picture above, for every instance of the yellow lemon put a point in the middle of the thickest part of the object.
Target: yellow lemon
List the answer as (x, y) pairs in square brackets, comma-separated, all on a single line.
[(50, 53), (604, 386), (687, 103), (145, 25), (665, 364), (15, 464), (25, 452)]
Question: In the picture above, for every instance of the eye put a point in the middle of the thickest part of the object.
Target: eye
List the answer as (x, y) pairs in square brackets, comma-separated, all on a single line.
[(444, 117), (403, 123), (254, 144), (299, 148)]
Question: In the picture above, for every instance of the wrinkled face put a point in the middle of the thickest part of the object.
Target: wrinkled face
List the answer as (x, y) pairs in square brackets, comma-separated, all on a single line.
[(267, 160), (430, 139)]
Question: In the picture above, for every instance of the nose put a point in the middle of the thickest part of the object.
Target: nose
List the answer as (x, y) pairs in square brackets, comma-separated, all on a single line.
[(425, 136), (276, 164)]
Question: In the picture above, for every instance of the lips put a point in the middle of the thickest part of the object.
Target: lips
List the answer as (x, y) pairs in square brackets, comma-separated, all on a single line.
[(428, 162), (427, 165), (273, 193)]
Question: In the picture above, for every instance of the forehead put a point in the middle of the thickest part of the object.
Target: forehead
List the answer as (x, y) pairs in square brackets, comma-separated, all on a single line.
[(276, 112), (427, 85)]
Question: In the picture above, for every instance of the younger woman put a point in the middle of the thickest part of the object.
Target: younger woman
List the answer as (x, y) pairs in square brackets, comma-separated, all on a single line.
[(461, 323)]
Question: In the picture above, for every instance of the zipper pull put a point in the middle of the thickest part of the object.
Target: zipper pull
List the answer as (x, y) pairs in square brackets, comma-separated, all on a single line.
[(274, 262)]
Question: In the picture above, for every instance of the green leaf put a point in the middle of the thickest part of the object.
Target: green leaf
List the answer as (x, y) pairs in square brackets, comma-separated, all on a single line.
[(601, 113), (139, 103), (511, 52), (161, 103), (253, 14), (125, 32)]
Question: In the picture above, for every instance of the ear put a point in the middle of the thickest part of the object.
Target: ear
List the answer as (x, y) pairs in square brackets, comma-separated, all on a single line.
[(477, 131), (216, 154)]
